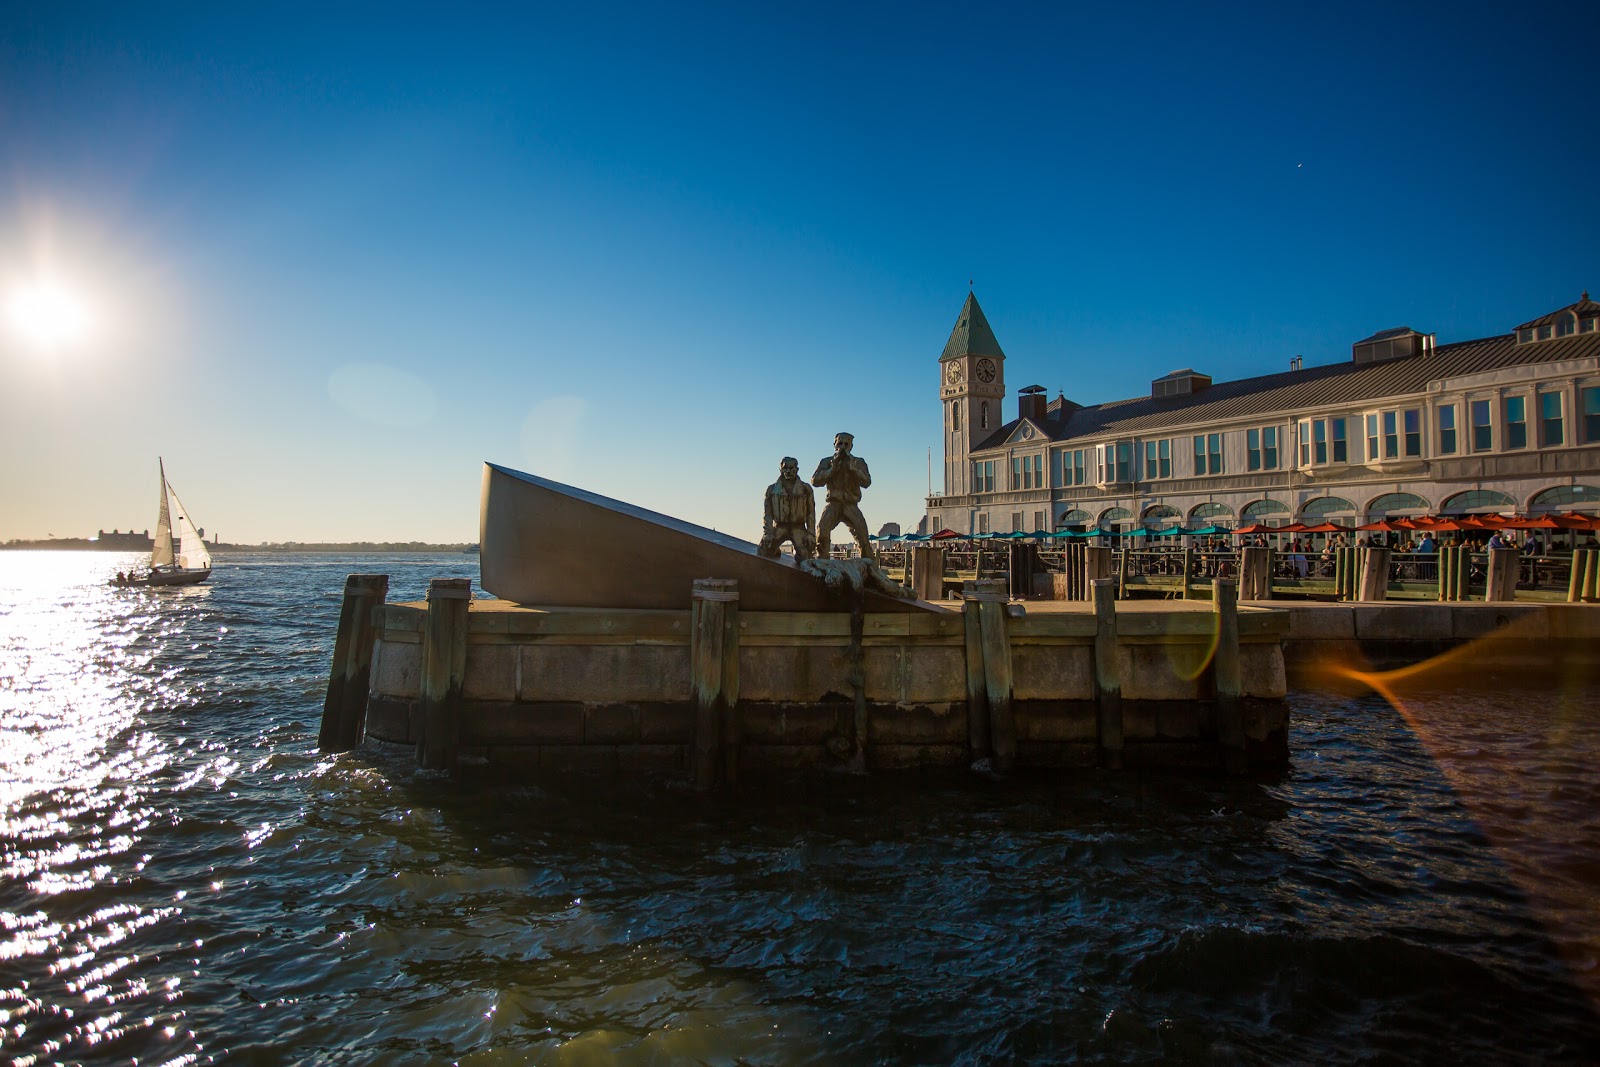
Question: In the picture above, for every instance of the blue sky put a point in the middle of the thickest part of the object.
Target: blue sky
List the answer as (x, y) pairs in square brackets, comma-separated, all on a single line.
[(334, 261)]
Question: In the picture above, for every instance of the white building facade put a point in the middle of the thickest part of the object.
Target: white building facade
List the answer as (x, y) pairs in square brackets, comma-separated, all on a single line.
[(1405, 427)]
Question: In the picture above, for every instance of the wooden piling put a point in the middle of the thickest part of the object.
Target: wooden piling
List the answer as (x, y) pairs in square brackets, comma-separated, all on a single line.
[(996, 641), (1341, 568), (1375, 574), (1591, 576), (344, 709), (1122, 574), (1255, 575), (1503, 566), (1188, 563), (1229, 676), (1446, 572), (927, 572), (1463, 572), (714, 681), (977, 697), (1107, 678), (1272, 569), (1574, 581), (444, 667)]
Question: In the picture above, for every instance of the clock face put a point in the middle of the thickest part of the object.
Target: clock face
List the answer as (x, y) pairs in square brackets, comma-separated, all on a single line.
[(955, 374), (985, 370)]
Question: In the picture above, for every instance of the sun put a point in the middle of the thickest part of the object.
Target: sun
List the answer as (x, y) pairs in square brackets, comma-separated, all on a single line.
[(47, 315)]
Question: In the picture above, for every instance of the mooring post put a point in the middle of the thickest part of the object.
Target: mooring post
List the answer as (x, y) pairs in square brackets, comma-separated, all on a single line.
[(1591, 575), (344, 710), (1502, 583), (1446, 572), (444, 667), (977, 699), (1463, 572), (1122, 574), (1254, 573), (1107, 678), (1375, 574), (1229, 676), (927, 572), (996, 642), (1188, 565), (1574, 582), (1341, 568), (1272, 569), (714, 681)]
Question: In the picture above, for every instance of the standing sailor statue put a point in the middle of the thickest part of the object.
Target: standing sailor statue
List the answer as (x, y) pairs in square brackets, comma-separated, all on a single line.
[(845, 476)]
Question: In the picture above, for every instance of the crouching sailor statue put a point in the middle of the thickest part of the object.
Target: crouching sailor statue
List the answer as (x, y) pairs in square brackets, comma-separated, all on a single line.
[(790, 511)]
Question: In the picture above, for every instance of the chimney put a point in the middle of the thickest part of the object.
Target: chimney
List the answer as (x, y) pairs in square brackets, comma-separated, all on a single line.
[(1031, 403)]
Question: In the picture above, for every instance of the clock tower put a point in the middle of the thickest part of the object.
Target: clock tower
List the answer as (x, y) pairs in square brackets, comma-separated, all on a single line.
[(972, 383)]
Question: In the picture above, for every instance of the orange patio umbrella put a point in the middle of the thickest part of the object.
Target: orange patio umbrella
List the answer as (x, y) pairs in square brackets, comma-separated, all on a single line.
[(1331, 527)]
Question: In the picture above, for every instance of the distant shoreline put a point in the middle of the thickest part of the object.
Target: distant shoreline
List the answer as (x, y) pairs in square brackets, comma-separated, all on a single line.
[(83, 544)]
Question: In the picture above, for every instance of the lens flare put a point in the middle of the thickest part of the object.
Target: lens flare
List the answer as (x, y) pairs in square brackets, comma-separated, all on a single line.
[(48, 316)]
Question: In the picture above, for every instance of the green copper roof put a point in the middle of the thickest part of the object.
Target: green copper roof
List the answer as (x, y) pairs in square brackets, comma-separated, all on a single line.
[(972, 335)]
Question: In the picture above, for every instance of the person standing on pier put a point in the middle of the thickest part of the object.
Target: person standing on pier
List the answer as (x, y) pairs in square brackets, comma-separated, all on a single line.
[(845, 476)]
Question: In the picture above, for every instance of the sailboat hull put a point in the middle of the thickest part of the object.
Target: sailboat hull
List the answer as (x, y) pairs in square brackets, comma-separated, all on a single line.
[(182, 577)]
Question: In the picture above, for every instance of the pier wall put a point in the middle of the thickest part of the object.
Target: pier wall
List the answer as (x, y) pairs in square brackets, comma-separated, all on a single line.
[(611, 690)]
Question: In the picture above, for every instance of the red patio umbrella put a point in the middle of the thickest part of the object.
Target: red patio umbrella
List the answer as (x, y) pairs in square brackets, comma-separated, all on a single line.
[(1330, 527), (1381, 524), (944, 535), (1293, 527), (1581, 521), (1257, 528)]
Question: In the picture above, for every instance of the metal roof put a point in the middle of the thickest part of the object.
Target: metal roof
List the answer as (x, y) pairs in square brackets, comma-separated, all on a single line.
[(971, 335), (1309, 388), (1583, 309)]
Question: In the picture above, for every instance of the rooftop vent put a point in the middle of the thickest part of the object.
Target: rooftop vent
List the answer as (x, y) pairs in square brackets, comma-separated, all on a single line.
[(1398, 343), (1031, 402), (1179, 383)]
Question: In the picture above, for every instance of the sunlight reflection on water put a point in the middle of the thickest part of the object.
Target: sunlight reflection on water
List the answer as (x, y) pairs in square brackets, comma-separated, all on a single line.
[(184, 878)]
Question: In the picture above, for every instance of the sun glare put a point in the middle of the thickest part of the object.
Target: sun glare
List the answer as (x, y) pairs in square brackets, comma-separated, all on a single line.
[(47, 316)]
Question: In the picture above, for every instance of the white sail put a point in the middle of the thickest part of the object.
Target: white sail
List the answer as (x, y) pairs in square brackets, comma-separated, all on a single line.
[(161, 553), (192, 552)]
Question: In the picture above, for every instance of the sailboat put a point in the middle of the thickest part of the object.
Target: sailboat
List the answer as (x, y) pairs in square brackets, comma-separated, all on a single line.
[(180, 556)]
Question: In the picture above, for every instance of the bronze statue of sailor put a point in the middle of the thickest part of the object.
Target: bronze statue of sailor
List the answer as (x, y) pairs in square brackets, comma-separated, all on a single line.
[(789, 513), (844, 475)]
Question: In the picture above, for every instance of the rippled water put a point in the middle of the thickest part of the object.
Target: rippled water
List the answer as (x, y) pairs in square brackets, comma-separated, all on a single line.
[(184, 879)]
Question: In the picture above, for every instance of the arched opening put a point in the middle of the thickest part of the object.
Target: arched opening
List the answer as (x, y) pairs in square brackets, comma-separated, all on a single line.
[(1115, 519), (1327, 509), (1210, 514), (983, 415), (1160, 516), (1563, 497), (1397, 504), (1266, 512), (1477, 500), (1074, 519)]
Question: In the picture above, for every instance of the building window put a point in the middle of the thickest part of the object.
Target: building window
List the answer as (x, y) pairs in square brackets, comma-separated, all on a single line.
[(1016, 521), (1568, 324), (1551, 428), (1115, 462), (955, 416), (1158, 459), (1516, 422), (1372, 438), (983, 415), (1262, 446), (1018, 472), (1482, 431), (1072, 467), (983, 476), (1411, 419), (1038, 520), (1447, 429), (1208, 453), (1591, 413), (1391, 434), (983, 522), (1038, 470)]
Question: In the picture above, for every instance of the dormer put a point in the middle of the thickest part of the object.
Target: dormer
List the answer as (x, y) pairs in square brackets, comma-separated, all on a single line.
[(1400, 342), (1582, 317), (1180, 383)]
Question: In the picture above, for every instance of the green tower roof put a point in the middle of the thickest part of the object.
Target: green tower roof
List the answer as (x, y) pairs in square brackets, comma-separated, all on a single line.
[(972, 335)]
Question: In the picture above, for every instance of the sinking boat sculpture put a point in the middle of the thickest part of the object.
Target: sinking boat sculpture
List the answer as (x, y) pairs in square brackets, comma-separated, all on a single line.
[(553, 545)]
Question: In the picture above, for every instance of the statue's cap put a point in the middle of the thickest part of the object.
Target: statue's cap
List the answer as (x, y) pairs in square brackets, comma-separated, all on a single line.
[(847, 436)]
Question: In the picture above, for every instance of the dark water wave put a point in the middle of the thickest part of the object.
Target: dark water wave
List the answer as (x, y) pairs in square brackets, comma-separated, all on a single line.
[(184, 879)]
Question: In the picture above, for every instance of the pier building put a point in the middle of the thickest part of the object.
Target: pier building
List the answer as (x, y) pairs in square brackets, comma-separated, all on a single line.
[(1403, 427)]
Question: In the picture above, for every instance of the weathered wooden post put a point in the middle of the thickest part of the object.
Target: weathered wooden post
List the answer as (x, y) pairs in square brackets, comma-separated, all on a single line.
[(1446, 573), (1463, 573), (927, 572), (1502, 583), (1229, 676), (1254, 573), (1341, 568), (1188, 564), (1272, 569), (996, 640), (344, 709), (444, 666), (1096, 565), (1375, 574), (714, 681), (1591, 576), (1107, 677), (977, 696), (1122, 574), (1574, 584)]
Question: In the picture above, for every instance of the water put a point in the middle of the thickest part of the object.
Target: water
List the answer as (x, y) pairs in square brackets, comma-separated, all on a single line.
[(184, 879)]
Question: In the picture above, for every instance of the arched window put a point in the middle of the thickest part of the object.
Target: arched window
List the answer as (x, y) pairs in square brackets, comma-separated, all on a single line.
[(1156, 514), (955, 416), (1566, 496), (1262, 510), (1075, 517), (1392, 502), (983, 416), (1111, 515), (1211, 511), (1324, 506), (1478, 499)]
